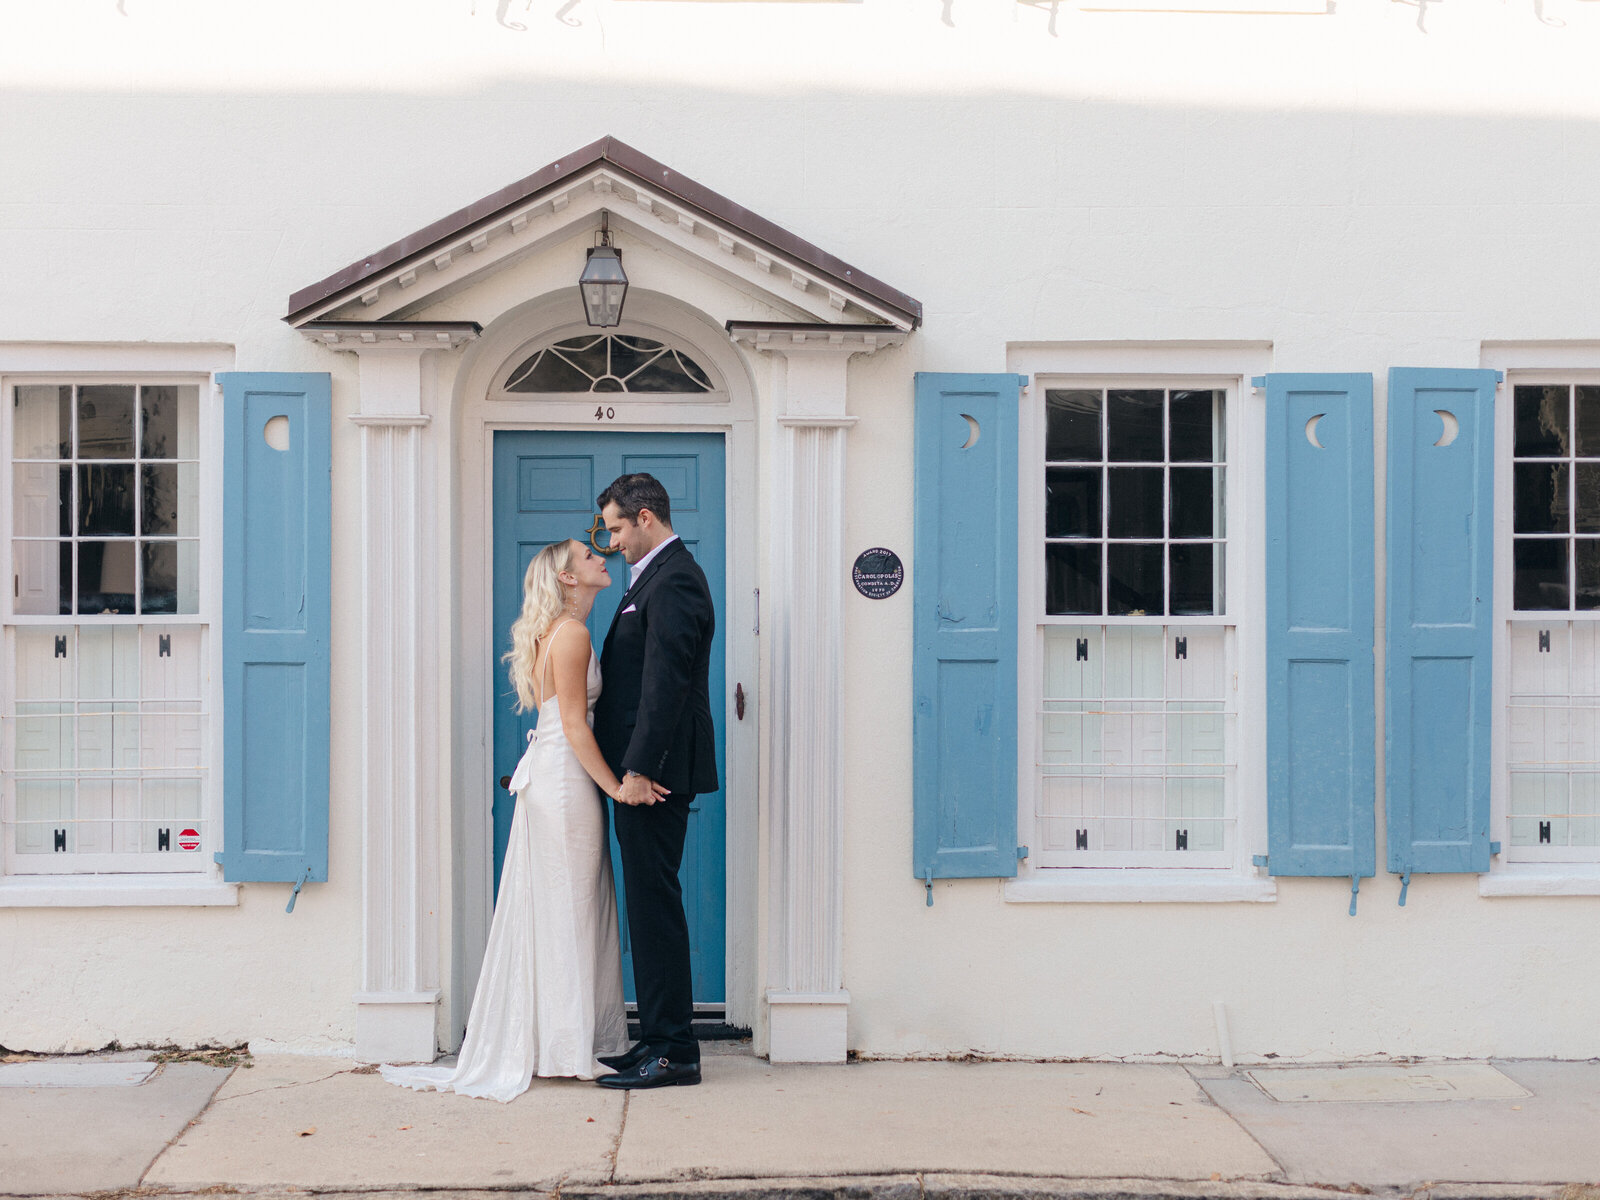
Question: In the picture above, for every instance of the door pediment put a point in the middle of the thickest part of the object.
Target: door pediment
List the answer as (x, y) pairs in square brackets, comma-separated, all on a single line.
[(643, 199)]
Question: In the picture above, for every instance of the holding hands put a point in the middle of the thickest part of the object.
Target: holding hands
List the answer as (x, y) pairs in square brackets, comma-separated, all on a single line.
[(639, 789)]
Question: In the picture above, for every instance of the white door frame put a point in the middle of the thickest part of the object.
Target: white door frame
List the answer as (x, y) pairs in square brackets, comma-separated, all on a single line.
[(478, 417)]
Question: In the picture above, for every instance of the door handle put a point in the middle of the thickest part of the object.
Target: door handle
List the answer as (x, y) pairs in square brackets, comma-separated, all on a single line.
[(738, 700), (505, 781)]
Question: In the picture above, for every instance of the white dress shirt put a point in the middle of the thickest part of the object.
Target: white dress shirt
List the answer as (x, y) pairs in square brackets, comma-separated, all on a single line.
[(637, 569)]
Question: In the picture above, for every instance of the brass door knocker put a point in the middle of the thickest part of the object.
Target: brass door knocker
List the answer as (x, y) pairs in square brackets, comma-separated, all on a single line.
[(599, 527)]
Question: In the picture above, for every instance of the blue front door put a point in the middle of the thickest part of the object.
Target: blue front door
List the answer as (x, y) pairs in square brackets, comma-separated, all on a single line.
[(544, 490)]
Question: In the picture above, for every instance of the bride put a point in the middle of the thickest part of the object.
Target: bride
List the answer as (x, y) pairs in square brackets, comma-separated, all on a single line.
[(549, 996)]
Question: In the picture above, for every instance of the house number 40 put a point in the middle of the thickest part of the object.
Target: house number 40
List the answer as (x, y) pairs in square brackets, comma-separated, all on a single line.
[(605, 413)]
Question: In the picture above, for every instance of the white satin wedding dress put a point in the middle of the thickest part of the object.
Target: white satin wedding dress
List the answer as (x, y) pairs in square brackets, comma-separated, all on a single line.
[(549, 995)]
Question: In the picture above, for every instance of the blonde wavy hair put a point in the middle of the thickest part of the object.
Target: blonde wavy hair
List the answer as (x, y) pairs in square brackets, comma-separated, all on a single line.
[(543, 602)]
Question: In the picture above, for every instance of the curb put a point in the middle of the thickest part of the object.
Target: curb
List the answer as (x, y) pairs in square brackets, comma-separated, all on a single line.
[(931, 1186)]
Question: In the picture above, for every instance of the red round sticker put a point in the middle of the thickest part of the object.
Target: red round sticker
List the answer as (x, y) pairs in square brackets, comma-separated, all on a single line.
[(189, 839)]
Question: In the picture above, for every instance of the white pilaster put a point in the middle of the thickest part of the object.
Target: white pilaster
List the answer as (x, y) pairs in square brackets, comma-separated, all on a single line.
[(400, 717), (808, 1006)]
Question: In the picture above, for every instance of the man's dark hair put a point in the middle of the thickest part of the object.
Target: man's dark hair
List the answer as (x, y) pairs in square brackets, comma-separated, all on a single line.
[(632, 494)]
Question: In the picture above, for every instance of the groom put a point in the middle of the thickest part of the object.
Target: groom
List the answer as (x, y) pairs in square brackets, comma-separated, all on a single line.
[(653, 724)]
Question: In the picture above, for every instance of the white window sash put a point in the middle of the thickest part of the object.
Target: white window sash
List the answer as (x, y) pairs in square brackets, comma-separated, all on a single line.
[(1243, 598), (192, 366)]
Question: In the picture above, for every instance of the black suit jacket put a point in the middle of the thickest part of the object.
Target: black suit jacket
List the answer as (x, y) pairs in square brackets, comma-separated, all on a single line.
[(654, 711)]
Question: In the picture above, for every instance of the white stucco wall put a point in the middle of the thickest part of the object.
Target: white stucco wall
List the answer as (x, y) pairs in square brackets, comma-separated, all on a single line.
[(1387, 184)]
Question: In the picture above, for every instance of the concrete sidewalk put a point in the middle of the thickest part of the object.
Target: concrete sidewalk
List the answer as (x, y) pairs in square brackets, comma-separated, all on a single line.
[(889, 1131)]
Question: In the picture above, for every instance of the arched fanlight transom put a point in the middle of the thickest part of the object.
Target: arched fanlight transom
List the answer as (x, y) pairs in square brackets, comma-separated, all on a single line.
[(608, 362)]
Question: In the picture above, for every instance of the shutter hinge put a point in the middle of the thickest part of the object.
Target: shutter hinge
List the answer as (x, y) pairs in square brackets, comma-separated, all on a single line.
[(1405, 882), (1259, 860), (1355, 890), (1494, 848), (1259, 381), (757, 629), (1022, 853), (928, 880), (295, 895)]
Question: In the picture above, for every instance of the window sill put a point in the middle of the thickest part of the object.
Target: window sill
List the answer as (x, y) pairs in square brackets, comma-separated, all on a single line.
[(1126, 885), (116, 891), (1541, 879)]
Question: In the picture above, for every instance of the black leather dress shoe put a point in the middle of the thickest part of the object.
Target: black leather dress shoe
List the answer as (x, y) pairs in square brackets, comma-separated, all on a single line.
[(654, 1073), (627, 1060)]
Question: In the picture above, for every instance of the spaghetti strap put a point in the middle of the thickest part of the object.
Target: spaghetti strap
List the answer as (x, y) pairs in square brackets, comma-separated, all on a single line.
[(549, 645)]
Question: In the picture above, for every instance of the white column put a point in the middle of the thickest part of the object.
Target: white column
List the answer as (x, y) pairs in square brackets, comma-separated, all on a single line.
[(808, 1006), (398, 712)]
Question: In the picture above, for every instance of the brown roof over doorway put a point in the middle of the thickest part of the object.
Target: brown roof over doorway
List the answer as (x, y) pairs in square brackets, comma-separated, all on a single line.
[(647, 171)]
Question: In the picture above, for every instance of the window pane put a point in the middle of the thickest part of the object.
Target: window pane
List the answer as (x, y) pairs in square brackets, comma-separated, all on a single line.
[(628, 354), (589, 353), (1134, 420), (171, 577), (41, 500), (1193, 579), (44, 737), (46, 663), (666, 374), (1072, 502), (1539, 573), (172, 805), (1541, 414), (544, 372), (1196, 437), (1072, 578), (1072, 662), (43, 581), (1587, 558), (98, 802), (44, 806), (170, 666), (105, 577), (1586, 497), (108, 662), (1072, 426), (1136, 502), (1588, 414), (1133, 662), (1539, 500), (171, 422), (1194, 504), (1134, 575), (105, 421), (42, 422), (105, 501), (108, 740), (170, 499)]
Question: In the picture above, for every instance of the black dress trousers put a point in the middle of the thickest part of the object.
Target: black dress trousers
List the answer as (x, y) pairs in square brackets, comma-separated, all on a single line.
[(651, 839)]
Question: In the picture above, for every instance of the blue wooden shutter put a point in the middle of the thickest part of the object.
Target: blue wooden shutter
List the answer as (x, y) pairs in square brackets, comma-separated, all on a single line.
[(276, 551), (1321, 717), (1437, 697), (964, 595)]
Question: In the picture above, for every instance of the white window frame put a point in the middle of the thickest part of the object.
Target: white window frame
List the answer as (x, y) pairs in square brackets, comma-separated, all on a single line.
[(1525, 871), (1225, 366), (191, 365)]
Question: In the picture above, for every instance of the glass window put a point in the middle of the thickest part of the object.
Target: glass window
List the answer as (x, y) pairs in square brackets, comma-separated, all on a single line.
[(1134, 502), (1135, 752), (105, 712), (105, 499), (608, 362)]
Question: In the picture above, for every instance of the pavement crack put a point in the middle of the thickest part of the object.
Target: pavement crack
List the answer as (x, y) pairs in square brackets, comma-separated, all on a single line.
[(193, 1121), (616, 1146), (280, 1087)]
